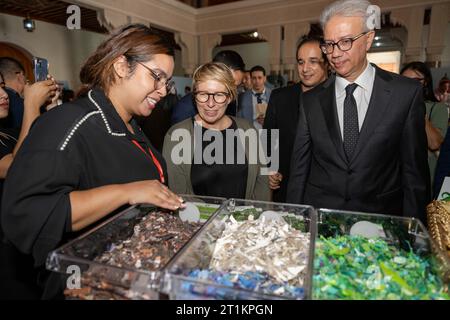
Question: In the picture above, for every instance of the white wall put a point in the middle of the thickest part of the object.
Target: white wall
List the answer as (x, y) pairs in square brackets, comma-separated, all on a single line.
[(178, 70), (65, 49), (253, 54)]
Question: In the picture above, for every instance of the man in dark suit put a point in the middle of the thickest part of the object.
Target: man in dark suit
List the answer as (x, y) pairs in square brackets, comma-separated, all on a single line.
[(283, 109), (361, 142)]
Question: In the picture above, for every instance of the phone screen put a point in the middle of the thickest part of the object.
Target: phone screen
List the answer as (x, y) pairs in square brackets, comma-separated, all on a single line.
[(40, 69)]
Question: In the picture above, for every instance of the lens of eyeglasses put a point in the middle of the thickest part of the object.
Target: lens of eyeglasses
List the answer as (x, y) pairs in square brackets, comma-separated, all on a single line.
[(344, 44), (159, 83), (327, 48), (169, 85)]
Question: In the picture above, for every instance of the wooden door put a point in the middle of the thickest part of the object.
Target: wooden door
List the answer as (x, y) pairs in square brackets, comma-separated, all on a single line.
[(21, 55)]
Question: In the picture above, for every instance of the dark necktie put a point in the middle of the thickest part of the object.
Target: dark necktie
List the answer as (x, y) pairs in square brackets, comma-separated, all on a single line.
[(351, 127), (258, 97)]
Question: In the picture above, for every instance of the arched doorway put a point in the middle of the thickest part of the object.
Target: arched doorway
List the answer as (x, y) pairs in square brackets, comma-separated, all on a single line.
[(21, 55)]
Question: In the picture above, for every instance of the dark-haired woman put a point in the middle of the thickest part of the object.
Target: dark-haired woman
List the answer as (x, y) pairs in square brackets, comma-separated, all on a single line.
[(85, 160), (436, 118)]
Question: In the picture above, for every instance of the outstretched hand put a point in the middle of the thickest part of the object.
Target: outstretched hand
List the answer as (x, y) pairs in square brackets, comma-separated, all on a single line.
[(153, 192)]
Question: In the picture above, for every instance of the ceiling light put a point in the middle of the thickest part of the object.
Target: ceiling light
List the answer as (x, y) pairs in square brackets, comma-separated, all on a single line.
[(29, 24)]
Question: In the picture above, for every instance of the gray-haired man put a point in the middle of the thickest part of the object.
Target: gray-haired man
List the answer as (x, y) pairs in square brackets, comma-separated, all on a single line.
[(361, 142)]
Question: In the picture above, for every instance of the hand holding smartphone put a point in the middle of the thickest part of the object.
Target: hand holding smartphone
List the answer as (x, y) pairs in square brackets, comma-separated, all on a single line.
[(40, 67)]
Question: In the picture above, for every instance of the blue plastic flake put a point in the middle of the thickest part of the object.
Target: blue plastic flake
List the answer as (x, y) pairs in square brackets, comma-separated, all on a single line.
[(253, 281)]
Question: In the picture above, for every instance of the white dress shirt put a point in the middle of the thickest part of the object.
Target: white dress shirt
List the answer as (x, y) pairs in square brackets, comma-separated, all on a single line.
[(362, 95), (265, 100)]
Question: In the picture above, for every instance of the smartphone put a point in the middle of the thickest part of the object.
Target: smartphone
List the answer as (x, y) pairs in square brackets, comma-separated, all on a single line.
[(40, 69)]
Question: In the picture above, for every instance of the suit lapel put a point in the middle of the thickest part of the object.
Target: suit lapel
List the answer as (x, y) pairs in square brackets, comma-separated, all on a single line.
[(327, 100), (292, 116), (379, 102)]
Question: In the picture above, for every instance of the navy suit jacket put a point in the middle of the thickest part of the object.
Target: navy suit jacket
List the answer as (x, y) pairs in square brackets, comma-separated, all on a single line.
[(184, 109), (388, 172)]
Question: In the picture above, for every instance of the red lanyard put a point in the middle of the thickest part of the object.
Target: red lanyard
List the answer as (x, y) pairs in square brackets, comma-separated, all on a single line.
[(155, 161)]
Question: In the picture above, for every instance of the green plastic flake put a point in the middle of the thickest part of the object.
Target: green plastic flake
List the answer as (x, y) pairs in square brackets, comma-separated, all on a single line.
[(295, 222), (354, 267), (243, 215)]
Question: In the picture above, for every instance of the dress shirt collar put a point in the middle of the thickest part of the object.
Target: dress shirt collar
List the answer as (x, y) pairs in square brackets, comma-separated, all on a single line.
[(262, 93), (365, 80)]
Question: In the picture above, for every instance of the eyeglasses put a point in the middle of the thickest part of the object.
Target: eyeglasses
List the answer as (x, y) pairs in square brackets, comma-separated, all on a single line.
[(219, 97), (159, 80), (345, 44)]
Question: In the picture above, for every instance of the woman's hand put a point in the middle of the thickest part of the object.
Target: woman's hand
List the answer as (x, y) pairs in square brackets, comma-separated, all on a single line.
[(89, 206), (38, 93), (153, 192)]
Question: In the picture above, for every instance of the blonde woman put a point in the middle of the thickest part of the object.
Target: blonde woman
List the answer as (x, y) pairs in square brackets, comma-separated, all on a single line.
[(218, 162)]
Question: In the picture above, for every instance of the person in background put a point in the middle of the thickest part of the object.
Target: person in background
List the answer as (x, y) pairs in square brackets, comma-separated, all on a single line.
[(253, 103), (16, 269), (185, 108), (436, 117), (443, 91), (15, 81), (214, 88), (246, 82), (283, 110), (88, 159), (35, 96)]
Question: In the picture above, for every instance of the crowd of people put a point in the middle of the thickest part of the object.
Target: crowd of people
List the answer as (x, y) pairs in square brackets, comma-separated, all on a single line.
[(349, 135)]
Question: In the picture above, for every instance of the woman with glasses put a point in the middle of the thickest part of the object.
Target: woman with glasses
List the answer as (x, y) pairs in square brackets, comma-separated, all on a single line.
[(88, 159), (218, 161), (436, 117)]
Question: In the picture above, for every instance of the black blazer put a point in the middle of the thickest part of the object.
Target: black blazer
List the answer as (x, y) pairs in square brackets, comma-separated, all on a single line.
[(282, 113), (388, 172)]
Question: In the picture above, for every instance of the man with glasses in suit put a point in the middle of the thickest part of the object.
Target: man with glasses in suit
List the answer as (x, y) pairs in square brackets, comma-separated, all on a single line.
[(361, 142)]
